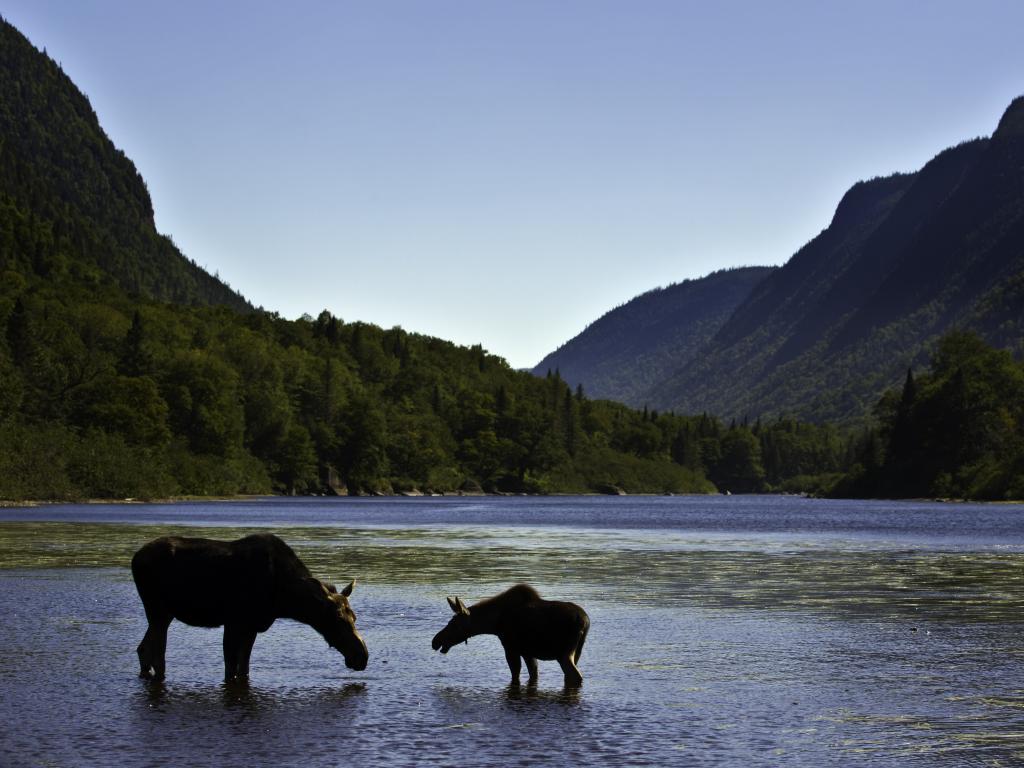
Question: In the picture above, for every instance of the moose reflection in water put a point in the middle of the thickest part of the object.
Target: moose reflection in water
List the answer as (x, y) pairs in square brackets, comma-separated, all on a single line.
[(242, 585), (528, 627)]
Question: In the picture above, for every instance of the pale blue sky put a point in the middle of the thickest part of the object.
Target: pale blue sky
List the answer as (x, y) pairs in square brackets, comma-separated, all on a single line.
[(505, 172)]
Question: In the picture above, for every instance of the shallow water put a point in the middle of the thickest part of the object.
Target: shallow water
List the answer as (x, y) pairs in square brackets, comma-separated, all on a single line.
[(740, 631)]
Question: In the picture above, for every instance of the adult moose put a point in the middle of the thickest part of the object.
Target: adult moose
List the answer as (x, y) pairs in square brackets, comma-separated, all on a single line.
[(528, 627), (242, 585)]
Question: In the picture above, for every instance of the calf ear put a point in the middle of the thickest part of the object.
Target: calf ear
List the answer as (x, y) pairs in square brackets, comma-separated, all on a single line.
[(454, 606), (348, 590), (460, 606)]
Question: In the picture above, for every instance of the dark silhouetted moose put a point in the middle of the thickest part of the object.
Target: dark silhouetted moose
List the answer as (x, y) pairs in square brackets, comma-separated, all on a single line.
[(529, 628), (242, 585)]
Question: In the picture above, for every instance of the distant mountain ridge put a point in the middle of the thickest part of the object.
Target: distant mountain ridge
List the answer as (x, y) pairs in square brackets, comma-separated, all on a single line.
[(77, 199), (651, 336), (905, 259)]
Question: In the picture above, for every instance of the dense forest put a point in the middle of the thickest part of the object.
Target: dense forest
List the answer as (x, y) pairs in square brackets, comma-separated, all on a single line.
[(955, 432), (106, 396), (128, 371)]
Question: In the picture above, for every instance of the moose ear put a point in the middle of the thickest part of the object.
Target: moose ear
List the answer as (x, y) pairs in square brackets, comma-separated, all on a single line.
[(454, 604), (348, 590), (460, 607)]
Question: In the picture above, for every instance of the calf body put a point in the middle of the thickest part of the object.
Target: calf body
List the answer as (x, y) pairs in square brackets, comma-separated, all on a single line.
[(242, 585), (529, 628)]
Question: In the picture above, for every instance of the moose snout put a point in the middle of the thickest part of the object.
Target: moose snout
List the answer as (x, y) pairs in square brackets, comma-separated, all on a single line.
[(357, 664), (358, 657), (437, 645)]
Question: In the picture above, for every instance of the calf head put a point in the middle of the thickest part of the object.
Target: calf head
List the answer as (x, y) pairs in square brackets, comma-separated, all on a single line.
[(457, 630), (339, 626)]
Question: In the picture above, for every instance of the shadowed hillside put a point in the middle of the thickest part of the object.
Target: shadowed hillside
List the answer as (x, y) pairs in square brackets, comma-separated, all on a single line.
[(905, 260), (651, 337), (71, 203)]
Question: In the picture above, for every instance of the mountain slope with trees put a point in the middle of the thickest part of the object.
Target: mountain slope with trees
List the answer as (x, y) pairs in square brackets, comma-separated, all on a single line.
[(127, 371), (905, 260), (73, 206), (652, 336)]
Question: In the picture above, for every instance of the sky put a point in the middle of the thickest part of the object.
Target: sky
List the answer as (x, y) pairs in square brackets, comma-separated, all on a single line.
[(504, 173)]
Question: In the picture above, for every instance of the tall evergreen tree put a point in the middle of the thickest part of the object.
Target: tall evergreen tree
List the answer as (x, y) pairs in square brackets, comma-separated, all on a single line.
[(135, 359)]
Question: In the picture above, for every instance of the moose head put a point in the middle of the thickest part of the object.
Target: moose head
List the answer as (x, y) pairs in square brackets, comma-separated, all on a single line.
[(457, 630), (339, 625)]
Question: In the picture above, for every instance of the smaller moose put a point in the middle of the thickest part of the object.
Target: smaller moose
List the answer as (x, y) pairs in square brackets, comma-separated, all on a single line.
[(528, 627)]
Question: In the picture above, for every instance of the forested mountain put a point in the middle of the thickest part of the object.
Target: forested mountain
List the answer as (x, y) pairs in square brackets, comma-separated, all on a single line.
[(127, 371), (905, 260), (652, 336), (71, 204)]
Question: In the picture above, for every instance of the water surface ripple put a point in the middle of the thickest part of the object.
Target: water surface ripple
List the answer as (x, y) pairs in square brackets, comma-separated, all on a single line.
[(726, 632)]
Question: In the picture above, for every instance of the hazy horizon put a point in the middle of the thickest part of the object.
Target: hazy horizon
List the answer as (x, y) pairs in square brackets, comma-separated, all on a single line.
[(505, 174)]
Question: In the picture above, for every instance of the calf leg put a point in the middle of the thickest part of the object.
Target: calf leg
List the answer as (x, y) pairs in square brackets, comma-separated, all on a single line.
[(580, 642), (573, 678), (531, 667), (514, 665)]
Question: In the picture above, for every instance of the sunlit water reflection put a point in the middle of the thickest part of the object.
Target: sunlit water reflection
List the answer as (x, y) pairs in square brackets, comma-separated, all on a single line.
[(748, 631)]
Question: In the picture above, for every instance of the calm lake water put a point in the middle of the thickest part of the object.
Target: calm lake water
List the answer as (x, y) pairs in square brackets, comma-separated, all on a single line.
[(725, 632)]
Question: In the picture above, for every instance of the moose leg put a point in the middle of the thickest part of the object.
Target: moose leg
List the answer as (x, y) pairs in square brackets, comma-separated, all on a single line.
[(514, 665), (153, 648), (531, 667), (245, 652), (580, 642), (238, 643), (573, 678)]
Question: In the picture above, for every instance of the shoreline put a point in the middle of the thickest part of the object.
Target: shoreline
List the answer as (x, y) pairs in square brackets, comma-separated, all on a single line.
[(33, 503)]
